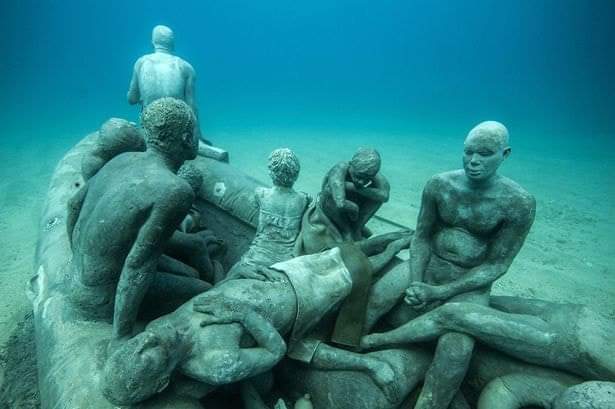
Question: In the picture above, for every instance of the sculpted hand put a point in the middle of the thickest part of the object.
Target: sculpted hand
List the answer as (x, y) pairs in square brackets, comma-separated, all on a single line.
[(419, 294), (217, 309), (261, 273)]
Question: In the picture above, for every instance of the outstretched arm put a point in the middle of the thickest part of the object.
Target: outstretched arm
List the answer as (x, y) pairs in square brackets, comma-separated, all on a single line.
[(134, 95), (142, 260)]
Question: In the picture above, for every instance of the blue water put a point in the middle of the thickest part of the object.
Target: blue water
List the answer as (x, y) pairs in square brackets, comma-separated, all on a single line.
[(436, 67), (324, 77)]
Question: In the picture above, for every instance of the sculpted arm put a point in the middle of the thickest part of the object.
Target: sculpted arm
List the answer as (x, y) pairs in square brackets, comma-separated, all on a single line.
[(74, 208), (142, 260), (378, 192), (337, 184), (502, 251), (235, 363), (420, 250), (134, 95), (190, 90)]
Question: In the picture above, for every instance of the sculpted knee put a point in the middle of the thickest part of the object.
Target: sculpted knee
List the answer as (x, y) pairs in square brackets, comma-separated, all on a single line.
[(588, 395), (449, 313), (457, 347)]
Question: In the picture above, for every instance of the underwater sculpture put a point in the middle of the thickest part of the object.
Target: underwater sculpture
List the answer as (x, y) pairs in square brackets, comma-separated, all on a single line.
[(352, 192), (280, 210), (517, 391), (122, 219), (335, 378), (471, 225), (570, 337), (202, 340), (162, 74)]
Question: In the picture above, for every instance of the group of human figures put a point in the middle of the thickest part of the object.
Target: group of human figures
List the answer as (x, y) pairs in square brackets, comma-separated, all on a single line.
[(315, 287)]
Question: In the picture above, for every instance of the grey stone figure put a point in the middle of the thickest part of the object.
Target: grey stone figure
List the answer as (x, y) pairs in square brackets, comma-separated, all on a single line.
[(471, 225), (114, 137), (517, 391), (208, 345), (352, 192), (570, 337), (281, 210), (162, 74), (120, 221)]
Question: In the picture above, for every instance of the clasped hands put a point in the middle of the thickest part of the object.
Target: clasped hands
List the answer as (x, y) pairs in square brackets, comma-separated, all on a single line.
[(419, 294)]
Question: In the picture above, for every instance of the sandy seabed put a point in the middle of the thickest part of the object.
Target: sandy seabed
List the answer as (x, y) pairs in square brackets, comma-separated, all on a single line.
[(566, 256)]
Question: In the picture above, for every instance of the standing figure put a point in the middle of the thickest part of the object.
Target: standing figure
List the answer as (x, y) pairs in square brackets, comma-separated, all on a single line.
[(162, 74), (471, 225), (281, 209)]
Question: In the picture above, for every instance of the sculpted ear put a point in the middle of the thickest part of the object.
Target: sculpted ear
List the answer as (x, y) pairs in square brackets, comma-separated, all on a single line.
[(506, 152)]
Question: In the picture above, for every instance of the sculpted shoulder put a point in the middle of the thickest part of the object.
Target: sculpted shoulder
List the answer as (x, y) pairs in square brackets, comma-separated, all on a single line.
[(517, 199), (443, 182)]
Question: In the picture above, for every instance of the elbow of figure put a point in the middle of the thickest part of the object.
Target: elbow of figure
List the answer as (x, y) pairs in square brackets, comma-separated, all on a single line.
[(132, 98)]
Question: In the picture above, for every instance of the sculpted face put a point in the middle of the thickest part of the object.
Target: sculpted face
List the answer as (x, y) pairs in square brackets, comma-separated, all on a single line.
[(364, 166), (485, 149), (137, 370)]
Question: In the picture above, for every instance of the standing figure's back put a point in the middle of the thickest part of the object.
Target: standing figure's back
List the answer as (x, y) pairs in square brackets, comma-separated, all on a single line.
[(162, 74)]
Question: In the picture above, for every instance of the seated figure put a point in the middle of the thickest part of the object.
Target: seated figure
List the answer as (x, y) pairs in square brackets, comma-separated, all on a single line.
[(281, 209), (352, 192), (471, 225), (121, 220)]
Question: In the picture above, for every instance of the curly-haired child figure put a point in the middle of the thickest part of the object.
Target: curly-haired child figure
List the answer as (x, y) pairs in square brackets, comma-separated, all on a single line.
[(281, 209)]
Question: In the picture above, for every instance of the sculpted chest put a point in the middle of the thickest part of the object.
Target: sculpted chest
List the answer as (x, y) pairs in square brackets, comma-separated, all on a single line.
[(479, 215)]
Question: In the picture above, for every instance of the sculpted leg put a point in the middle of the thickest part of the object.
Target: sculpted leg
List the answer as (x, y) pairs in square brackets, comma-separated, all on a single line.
[(447, 371), (386, 293), (516, 391), (495, 328), (328, 357)]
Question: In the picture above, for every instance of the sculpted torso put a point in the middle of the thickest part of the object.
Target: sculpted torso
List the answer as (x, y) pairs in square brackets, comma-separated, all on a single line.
[(279, 223), (118, 200), (162, 75), (468, 222)]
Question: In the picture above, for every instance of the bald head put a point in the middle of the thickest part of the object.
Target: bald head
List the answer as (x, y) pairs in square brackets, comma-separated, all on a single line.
[(490, 131), (485, 148), (163, 38)]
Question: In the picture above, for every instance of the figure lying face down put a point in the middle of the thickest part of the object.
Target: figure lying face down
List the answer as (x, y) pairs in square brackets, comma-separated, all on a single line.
[(232, 331)]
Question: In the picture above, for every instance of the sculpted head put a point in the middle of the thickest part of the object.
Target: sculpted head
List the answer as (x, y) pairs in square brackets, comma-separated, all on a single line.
[(169, 128), (364, 166), (283, 167), (138, 369), (163, 38), (116, 134), (192, 175), (485, 148)]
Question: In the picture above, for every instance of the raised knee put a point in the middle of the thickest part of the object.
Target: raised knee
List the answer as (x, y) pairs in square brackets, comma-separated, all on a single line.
[(457, 347)]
